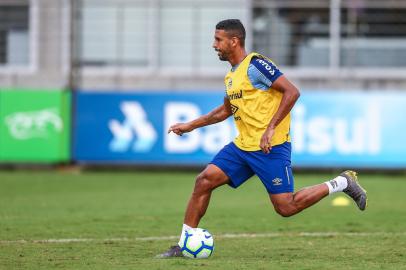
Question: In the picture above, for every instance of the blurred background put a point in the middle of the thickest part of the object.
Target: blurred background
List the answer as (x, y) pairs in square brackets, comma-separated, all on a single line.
[(100, 81)]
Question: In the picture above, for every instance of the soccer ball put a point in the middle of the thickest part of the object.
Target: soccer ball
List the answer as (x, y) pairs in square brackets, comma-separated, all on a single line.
[(196, 243)]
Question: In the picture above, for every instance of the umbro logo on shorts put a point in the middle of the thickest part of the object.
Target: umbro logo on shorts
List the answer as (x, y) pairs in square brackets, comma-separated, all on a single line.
[(277, 182)]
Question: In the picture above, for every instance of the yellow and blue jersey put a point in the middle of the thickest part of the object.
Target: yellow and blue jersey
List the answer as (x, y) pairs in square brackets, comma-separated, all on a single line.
[(254, 102)]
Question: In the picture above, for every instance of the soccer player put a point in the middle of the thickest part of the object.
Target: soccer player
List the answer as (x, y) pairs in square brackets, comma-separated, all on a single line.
[(260, 99)]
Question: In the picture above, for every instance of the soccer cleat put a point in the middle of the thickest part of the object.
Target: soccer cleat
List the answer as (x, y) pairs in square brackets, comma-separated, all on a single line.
[(354, 189), (173, 251)]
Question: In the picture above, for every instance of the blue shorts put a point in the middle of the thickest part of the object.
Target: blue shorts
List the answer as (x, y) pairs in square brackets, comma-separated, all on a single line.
[(274, 169)]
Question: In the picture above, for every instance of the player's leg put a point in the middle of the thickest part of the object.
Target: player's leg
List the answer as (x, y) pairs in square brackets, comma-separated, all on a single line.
[(274, 170), (276, 175), (226, 168), (288, 204), (208, 180)]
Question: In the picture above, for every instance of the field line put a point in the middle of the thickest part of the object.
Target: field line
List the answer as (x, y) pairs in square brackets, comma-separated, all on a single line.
[(220, 236)]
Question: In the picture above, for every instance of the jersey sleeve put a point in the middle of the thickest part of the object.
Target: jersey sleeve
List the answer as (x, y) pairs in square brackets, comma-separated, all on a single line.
[(263, 73)]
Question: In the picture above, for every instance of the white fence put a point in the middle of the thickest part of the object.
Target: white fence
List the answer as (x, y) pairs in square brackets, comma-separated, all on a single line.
[(125, 43)]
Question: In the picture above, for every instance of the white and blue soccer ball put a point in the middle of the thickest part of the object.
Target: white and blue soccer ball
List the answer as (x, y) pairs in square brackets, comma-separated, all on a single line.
[(196, 243)]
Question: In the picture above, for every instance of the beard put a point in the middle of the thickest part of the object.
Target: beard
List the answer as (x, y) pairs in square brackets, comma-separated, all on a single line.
[(222, 56)]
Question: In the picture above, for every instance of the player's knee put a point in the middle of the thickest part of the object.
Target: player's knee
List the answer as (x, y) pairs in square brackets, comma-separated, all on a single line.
[(284, 210), (203, 184)]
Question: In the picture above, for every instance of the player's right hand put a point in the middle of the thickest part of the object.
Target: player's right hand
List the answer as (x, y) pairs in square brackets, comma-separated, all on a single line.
[(266, 140), (180, 128)]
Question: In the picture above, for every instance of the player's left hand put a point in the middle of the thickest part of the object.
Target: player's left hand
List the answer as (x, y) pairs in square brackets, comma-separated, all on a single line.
[(266, 139)]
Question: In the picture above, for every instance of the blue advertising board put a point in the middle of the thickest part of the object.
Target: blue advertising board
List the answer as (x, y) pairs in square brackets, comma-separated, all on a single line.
[(329, 129), (133, 128), (356, 129)]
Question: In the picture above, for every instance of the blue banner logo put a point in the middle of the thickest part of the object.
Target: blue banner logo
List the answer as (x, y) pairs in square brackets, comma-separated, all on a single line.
[(134, 132)]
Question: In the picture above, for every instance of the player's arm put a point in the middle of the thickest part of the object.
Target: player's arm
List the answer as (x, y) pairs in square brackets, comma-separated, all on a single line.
[(289, 98), (265, 75), (217, 115)]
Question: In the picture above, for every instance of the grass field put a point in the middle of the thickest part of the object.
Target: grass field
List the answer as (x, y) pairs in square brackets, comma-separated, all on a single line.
[(102, 220)]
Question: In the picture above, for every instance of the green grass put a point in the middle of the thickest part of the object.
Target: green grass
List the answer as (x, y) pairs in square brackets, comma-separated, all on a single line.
[(102, 206)]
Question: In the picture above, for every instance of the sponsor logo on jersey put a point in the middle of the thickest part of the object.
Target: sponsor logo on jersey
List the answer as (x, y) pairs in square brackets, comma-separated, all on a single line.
[(234, 108), (269, 67), (235, 95)]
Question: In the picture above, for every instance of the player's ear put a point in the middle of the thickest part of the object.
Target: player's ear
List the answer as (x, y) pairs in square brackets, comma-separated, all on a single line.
[(234, 41)]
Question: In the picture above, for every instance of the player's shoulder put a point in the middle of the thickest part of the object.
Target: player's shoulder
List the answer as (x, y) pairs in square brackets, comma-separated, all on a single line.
[(265, 66), (262, 62)]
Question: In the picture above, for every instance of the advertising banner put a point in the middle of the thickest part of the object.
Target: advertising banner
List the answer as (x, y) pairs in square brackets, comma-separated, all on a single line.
[(35, 126), (350, 129), (133, 128), (329, 129)]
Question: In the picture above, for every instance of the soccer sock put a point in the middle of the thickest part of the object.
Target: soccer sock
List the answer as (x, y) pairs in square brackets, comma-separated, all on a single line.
[(337, 184), (185, 227)]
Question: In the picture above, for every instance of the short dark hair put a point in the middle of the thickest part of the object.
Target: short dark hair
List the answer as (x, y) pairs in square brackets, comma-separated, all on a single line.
[(234, 27)]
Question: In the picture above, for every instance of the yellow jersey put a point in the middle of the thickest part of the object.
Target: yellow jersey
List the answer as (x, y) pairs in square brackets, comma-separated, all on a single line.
[(254, 108)]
